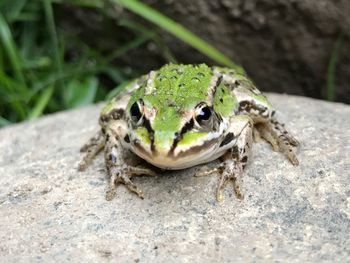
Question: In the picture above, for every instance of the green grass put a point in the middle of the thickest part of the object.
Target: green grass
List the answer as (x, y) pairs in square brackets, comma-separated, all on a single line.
[(331, 70), (37, 75)]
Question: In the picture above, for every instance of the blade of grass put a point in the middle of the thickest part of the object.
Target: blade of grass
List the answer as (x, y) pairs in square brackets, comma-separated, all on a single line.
[(127, 47), (54, 39), (332, 67), (71, 71), (85, 3), (12, 8), (11, 51), (28, 39), (177, 30), (151, 35), (2, 59), (9, 96), (81, 92), (41, 103)]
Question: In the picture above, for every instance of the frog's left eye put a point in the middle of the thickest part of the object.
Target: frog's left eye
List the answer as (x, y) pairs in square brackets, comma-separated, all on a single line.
[(203, 114), (135, 112)]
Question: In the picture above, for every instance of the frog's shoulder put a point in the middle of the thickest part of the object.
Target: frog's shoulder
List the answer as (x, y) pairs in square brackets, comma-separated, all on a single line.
[(229, 74), (237, 80)]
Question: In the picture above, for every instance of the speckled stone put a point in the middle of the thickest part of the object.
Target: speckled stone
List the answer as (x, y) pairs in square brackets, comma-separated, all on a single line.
[(50, 212)]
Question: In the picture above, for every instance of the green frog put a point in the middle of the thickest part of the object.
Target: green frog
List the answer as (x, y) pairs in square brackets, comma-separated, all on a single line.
[(186, 115)]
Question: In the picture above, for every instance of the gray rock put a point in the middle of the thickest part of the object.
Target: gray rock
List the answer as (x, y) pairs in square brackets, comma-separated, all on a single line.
[(51, 212)]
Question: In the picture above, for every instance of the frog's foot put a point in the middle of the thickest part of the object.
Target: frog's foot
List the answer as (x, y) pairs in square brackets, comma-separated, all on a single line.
[(256, 135), (281, 140), (235, 159), (232, 171), (122, 175), (91, 148), (229, 171), (205, 172)]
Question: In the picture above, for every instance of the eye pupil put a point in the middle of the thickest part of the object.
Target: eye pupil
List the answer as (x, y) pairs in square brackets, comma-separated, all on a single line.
[(204, 114), (135, 111)]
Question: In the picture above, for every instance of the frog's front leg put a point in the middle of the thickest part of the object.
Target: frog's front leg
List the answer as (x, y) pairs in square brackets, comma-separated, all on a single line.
[(235, 159), (119, 171), (91, 149)]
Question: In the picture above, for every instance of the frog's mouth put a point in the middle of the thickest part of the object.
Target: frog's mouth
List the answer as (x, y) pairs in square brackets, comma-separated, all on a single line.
[(206, 152), (179, 155)]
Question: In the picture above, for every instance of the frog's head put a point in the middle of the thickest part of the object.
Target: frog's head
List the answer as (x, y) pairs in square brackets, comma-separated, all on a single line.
[(173, 122)]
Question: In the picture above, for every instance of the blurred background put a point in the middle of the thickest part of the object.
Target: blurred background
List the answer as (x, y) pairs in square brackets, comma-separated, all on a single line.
[(61, 54)]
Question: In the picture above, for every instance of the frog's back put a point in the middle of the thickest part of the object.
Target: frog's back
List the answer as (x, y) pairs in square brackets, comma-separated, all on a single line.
[(179, 86)]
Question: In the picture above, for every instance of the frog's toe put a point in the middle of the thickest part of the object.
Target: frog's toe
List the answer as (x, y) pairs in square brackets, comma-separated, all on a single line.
[(115, 181), (91, 149), (293, 141), (288, 148), (280, 139), (223, 182), (111, 192), (231, 173), (123, 176), (141, 171), (131, 186), (204, 171), (221, 188), (293, 158)]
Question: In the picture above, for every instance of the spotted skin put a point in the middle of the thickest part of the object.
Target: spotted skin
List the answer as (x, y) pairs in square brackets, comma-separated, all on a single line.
[(182, 116)]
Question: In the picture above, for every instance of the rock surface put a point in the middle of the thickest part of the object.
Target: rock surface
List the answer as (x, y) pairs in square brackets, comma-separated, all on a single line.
[(51, 212)]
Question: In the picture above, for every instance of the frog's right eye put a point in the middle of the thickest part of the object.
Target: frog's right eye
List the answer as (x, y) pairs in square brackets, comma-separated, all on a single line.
[(135, 112), (203, 113)]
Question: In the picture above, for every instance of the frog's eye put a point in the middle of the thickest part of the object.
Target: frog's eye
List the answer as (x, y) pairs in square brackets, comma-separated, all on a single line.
[(203, 114), (135, 112)]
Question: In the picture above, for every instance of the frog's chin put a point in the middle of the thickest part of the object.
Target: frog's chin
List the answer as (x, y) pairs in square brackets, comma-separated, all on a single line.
[(182, 160), (182, 163)]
